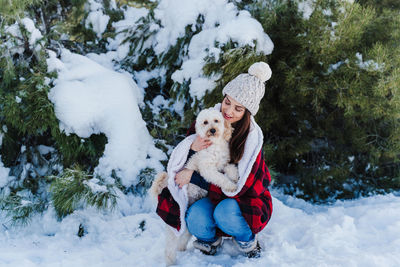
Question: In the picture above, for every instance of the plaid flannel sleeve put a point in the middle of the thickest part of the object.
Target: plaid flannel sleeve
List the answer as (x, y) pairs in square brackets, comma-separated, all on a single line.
[(168, 209)]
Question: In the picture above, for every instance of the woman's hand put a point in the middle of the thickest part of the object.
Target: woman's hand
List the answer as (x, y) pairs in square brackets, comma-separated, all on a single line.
[(183, 177), (200, 143)]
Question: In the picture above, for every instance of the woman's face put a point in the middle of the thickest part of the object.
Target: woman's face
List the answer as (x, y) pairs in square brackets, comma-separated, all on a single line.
[(232, 110)]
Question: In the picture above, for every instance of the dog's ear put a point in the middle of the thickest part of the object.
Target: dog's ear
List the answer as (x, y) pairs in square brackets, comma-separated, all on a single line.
[(228, 129)]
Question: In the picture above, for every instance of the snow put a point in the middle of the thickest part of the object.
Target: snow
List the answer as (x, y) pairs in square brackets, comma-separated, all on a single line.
[(306, 7), (91, 99), (327, 12), (16, 45), (362, 232), (143, 76), (223, 22), (337, 65), (96, 19), (95, 187), (158, 103), (4, 177), (117, 48), (35, 34), (43, 150), (369, 64)]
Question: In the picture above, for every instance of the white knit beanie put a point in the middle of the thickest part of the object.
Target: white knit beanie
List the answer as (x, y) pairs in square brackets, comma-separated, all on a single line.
[(248, 88)]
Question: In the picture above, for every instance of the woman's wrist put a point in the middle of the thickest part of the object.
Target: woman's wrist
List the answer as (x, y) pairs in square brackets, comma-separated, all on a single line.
[(198, 180), (183, 177), (192, 148)]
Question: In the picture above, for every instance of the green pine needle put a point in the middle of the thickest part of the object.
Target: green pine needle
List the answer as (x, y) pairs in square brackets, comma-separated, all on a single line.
[(70, 191)]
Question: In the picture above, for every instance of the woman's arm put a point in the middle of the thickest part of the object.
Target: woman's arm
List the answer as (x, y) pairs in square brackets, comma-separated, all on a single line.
[(185, 176), (189, 176), (258, 180), (198, 180), (256, 183)]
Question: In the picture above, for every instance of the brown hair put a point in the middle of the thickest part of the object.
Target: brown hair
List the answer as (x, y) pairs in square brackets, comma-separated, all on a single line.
[(239, 136)]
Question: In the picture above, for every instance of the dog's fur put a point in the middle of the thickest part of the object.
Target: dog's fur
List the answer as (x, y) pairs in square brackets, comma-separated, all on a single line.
[(213, 165)]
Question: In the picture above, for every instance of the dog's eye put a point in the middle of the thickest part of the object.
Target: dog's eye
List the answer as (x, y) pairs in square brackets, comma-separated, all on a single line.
[(216, 121), (205, 122)]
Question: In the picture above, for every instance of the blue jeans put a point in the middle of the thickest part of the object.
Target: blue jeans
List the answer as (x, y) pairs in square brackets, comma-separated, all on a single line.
[(203, 217)]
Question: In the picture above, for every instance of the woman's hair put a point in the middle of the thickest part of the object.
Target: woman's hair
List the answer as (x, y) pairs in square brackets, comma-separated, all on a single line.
[(239, 136)]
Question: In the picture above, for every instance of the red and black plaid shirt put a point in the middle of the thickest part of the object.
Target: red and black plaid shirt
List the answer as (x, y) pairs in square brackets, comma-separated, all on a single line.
[(254, 199)]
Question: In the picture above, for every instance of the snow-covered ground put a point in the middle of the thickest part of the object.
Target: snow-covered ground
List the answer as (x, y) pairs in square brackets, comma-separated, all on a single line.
[(363, 232)]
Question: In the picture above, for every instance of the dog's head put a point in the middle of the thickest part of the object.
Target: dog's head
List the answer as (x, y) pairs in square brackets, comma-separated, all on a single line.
[(211, 124)]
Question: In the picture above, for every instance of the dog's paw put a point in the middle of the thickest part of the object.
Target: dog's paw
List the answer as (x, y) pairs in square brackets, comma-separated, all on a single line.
[(230, 187), (231, 171)]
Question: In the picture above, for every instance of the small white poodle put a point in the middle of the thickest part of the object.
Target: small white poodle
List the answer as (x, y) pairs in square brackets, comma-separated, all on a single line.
[(213, 165)]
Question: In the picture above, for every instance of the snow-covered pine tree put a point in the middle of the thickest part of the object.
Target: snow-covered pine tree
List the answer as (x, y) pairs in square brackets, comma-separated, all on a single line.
[(329, 114), (165, 59), (177, 61), (26, 115), (33, 148)]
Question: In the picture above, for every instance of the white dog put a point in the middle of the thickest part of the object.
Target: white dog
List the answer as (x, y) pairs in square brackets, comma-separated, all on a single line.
[(213, 165)]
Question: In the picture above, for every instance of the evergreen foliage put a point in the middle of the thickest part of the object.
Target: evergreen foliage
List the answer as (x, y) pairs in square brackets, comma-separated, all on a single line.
[(13, 10), (73, 190), (330, 114), (26, 115), (21, 209), (167, 126), (381, 5), (235, 60), (144, 182), (32, 146)]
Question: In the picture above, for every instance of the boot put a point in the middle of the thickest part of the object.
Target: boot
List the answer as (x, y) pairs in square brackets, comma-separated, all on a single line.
[(251, 249), (208, 248)]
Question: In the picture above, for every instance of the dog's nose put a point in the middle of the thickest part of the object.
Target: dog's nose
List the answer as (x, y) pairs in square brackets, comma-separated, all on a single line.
[(212, 130)]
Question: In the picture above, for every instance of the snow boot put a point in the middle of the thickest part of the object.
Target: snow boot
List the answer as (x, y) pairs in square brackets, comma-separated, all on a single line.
[(251, 249), (208, 248)]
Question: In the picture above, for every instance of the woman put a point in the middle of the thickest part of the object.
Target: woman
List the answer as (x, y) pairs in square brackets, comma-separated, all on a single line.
[(245, 212)]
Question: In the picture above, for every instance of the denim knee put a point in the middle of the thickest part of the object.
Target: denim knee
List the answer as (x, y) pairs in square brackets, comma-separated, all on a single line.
[(200, 221), (228, 217)]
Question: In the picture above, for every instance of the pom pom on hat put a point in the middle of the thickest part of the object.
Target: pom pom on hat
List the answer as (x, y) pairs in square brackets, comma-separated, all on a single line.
[(261, 70), (248, 88)]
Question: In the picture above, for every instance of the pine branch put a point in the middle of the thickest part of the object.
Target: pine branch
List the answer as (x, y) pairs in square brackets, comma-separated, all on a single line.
[(72, 191), (21, 209)]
